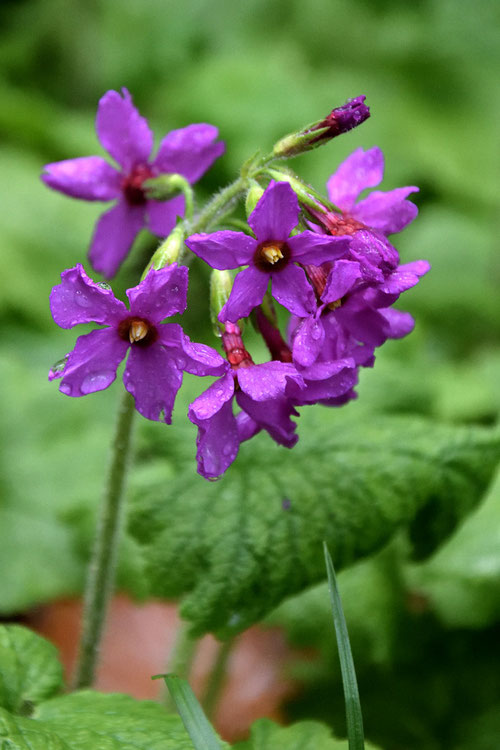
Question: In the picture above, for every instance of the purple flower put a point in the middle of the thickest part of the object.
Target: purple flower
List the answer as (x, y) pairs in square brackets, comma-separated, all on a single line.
[(126, 136), (262, 392), (353, 317), (370, 220), (159, 353), (272, 255)]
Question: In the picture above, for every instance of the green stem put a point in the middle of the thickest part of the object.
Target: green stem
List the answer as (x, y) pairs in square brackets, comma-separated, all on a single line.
[(101, 572), (218, 205), (217, 677)]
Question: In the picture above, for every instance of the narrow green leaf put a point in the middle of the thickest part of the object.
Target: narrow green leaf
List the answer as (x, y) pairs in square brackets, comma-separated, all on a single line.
[(197, 725), (352, 703)]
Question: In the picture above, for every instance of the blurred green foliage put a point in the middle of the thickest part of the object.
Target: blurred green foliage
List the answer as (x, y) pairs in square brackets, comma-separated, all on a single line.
[(258, 69)]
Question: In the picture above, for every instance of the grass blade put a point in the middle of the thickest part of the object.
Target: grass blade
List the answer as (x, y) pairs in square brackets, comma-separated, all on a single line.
[(197, 725), (354, 717)]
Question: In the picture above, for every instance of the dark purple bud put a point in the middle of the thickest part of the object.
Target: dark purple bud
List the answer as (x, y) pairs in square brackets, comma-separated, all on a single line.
[(344, 118), (340, 120)]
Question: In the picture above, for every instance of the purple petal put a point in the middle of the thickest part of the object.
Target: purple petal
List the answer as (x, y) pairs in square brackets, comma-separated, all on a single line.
[(113, 237), (197, 359), (276, 213), (404, 277), (292, 290), (161, 294), (212, 400), (217, 441), (374, 253), (310, 247), (387, 211), (247, 427), (367, 326), (162, 215), (399, 323), (269, 381), (224, 249), (189, 151), (342, 277), (248, 291), (328, 384), (92, 364), (308, 341), (122, 131), (88, 177), (153, 378), (273, 416), (362, 169), (78, 299)]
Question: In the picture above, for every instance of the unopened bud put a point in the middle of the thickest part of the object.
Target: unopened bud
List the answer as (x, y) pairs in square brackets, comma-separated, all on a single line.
[(340, 120), (221, 283), (165, 186), (254, 195), (169, 250)]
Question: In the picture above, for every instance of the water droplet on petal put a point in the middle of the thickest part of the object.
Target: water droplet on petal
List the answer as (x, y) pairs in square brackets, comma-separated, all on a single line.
[(103, 285), (65, 388), (174, 289), (227, 449), (213, 479), (82, 299), (58, 367), (315, 334), (96, 381)]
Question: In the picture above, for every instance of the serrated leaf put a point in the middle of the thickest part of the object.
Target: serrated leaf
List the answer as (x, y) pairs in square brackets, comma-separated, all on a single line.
[(29, 669), (462, 581), (305, 735), (238, 547), (30, 672)]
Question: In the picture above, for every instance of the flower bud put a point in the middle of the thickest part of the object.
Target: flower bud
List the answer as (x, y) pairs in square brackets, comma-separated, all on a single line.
[(221, 283), (165, 186), (169, 250), (340, 120), (254, 195)]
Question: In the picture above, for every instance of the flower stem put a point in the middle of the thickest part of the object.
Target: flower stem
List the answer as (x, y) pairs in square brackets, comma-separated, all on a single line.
[(219, 205), (181, 658), (101, 572), (217, 677)]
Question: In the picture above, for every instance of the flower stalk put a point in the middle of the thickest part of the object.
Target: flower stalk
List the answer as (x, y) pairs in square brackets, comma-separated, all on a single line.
[(101, 572)]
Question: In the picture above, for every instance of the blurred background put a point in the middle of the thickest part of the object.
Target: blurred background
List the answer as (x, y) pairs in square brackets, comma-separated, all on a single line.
[(425, 636)]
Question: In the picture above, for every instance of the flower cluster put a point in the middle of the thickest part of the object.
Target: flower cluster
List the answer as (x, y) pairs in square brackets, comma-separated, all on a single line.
[(338, 278), (329, 262)]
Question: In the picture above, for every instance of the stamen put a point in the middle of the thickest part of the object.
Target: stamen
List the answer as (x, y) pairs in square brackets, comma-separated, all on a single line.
[(272, 253), (137, 331)]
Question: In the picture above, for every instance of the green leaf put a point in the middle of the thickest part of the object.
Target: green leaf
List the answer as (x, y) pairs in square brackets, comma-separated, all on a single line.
[(352, 704), (462, 581), (30, 719), (239, 546), (29, 669), (305, 735), (196, 723)]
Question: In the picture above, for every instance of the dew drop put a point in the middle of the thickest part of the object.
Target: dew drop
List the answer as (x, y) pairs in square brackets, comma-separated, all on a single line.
[(65, 388), (174, 289), (58, 366), (213, 479), (96, 381), (315, 334), (226, 450), (103, 285), (82, 299)]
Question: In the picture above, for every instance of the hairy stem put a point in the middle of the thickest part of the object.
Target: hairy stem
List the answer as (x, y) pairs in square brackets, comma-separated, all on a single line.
[(101, 572), (219, 205), (217, 677)]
